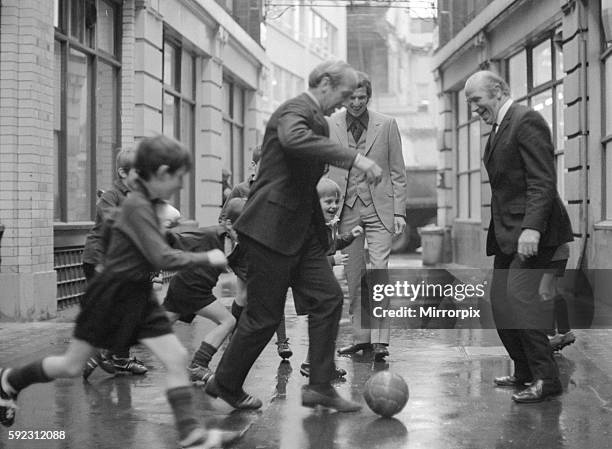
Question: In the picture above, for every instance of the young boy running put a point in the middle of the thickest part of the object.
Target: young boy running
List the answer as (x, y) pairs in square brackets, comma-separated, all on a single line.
[(93, 258), (190, 292), (119, 309), (329, 198)]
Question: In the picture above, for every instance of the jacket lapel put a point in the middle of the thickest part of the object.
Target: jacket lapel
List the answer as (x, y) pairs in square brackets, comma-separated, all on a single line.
[(498, 135), (374, 123), (340, 128)]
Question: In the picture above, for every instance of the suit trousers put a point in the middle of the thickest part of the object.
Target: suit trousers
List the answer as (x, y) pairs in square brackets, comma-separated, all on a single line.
[(315, 289), (379, 248), (520, 315)]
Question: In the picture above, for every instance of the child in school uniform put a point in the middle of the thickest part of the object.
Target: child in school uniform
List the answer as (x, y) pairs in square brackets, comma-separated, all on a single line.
[(119, 309), (93, 257), (190, 292), (329, 198)]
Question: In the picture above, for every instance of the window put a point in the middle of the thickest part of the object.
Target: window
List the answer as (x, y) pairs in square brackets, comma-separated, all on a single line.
[(323, 34), (285, 85), (289, 19), (178, 111), (86, 104), (468, 160), (233, 130), (535, 76), (606, 165)]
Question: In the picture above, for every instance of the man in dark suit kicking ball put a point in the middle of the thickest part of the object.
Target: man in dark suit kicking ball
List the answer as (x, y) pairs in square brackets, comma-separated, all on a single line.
[(528, 223), (283, 231)]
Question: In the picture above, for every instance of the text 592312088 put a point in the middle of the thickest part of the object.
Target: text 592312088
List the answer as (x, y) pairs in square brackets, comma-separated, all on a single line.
[(36, 434)]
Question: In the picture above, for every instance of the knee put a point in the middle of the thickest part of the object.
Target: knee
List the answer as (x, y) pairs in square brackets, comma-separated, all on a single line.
[(73, 369)]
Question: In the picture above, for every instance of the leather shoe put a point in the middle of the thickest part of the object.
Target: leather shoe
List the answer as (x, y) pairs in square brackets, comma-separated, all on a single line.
[(327, 397), (509, 381), (240, 400), (352, 349), (380, 352), (537, 392)]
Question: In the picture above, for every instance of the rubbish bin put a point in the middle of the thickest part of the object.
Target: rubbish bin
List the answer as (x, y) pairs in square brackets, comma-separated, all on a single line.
[(432, 239)]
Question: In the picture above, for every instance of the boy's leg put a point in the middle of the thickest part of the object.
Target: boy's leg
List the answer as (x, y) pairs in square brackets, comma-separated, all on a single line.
[(169, 350), (13, 380)]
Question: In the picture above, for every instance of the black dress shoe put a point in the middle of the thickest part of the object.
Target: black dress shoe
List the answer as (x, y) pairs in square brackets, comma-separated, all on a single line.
[(240, 400), (509, 381), (352, 349), (339, 373), (327, 397), (380, 352), (537, 392)]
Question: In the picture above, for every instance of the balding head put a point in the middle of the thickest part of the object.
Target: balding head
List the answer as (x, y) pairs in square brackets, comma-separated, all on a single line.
[(486, 92)]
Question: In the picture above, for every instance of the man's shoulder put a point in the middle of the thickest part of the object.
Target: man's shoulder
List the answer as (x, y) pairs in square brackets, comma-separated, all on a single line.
[(379, 116)]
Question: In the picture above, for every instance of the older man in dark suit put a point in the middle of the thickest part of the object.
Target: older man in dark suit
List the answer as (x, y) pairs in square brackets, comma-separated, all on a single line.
[(528, 223), (285, 237)]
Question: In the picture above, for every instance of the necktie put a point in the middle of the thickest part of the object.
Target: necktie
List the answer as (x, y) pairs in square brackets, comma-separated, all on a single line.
[(492, 134), (356, 130)]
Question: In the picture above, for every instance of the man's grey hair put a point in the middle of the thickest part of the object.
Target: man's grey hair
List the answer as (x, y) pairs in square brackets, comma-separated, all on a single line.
[(335, 70), (491, 80)]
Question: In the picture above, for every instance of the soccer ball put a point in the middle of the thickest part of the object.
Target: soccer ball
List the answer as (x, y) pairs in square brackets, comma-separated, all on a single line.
[(386, 393)]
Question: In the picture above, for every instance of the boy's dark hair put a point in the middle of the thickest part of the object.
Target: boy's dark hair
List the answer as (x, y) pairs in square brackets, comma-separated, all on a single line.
[(124, 159), (363, 80), (234, 209), (153, 152)]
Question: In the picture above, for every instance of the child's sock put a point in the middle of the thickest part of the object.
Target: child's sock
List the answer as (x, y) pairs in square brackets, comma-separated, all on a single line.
[(236, 311), (204, 354), (181, 401), (20, 378)]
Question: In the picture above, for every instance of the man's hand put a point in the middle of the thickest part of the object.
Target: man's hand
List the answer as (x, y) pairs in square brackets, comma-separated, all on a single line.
[(399, 224), (216, 258), (528, 243), (356, 231), (370, 168), (340, 259)]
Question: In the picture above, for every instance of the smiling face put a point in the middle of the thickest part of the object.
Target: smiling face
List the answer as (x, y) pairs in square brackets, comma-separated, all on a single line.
[(358, 102), (329, 205), (484, 99)]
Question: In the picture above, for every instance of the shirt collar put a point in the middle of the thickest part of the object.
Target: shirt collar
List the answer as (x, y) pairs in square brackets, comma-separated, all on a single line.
[(364, 118), (502, 111), (311, 95)]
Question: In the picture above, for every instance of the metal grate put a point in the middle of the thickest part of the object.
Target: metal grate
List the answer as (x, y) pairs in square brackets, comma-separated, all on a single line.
[(70, 277)]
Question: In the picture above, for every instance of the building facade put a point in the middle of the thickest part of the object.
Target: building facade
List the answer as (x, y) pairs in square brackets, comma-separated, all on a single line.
[(555, 56), (81, 78)]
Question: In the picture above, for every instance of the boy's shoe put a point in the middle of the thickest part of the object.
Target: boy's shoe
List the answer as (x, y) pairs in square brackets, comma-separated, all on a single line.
[(199, 374), (90, 366), (213, 438), (339, 373), (129, 365), (284, 351), (7, 404), (560, 341)]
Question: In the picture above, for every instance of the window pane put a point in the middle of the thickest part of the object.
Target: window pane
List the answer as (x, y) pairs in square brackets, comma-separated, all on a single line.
[(608, 180), (559, 61), (170, 59), (475, 145), (464, 196), (106, 124), (542, 63), (106, 26), (560, 166), (57, 129), (608, 97), (475, 195), (543, 104), (77, 16), (227, 140), (78, 137), (277, 83), (238, 111), (187, 136), (237, 155), (463, 149), (517, 74), (170, 116), (227, 98), (559, 122), (462, 108), (56, 13), (187, 76)]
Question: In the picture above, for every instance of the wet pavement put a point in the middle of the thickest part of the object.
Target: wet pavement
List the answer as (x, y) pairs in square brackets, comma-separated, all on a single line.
[(453, 403)]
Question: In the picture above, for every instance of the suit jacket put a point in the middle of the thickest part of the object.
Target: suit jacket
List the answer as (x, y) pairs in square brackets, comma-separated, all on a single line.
[(383, 146), (521, 168), (283, 201)]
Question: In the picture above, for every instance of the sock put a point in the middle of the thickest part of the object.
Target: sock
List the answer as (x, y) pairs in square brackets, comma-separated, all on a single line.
[(181, 401), (236, 311), (20, 378), (204, 354)]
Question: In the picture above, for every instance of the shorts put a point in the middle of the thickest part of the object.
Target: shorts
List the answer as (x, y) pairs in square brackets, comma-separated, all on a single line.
[(237, 261), (116, 313), (185, 303)]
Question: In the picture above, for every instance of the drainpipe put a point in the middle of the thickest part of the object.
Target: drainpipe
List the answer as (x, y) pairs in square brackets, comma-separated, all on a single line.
[(584, 155)]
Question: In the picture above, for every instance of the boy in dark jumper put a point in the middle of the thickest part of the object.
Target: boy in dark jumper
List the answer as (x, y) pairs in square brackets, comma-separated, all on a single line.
[(93, 258), (119, 309), (190, 291), (329, 198)]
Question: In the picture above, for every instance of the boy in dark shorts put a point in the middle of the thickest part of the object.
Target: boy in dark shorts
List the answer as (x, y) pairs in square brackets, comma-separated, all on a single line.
[(190, 292), (329, 198), (93, 257), (119, 309)]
